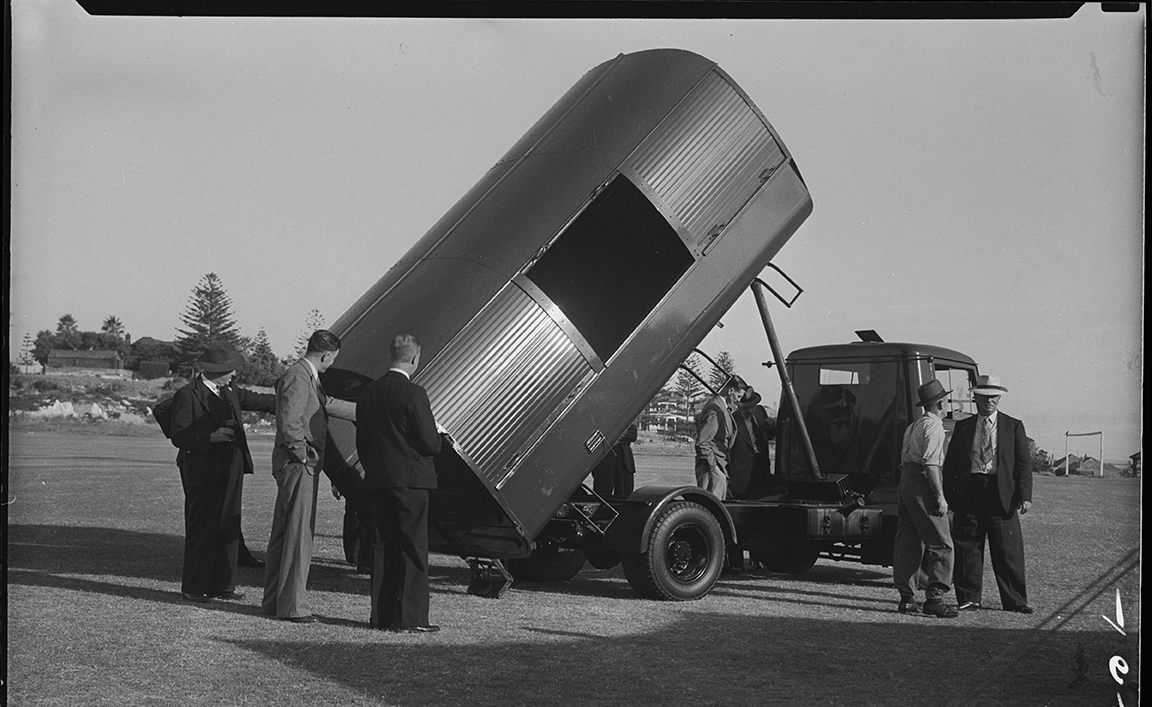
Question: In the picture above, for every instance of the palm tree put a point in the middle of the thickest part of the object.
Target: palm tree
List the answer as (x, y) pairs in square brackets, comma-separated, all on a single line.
[(113, 327), (67, 325)]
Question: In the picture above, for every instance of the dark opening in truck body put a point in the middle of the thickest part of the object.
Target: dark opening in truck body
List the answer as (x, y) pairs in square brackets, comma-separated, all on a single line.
[(563, 290)]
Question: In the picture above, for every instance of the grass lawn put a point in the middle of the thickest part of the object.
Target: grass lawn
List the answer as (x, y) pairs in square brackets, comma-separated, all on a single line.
[(95, 617)]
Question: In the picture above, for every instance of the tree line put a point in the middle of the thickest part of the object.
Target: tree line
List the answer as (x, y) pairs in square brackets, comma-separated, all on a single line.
[(207, 317)]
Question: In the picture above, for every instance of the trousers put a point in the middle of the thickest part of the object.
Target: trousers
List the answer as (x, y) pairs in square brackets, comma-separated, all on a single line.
[(981, 515), (923, 541), (290, 544)]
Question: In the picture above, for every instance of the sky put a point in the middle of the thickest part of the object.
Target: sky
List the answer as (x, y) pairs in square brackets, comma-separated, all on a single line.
[(977, 184)]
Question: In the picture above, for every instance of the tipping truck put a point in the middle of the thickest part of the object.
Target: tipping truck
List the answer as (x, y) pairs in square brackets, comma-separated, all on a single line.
[(557, 297)]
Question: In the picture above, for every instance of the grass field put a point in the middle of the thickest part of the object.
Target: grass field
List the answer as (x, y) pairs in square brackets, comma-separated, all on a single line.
[(95, 617)]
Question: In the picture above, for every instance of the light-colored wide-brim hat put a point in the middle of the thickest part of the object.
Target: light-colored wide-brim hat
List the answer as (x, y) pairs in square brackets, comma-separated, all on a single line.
[(989, 385)]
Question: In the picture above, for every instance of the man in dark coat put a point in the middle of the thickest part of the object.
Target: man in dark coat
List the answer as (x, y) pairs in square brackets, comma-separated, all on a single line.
[(207, 428), (396, 439), (748, 472), (988, 485), (616, 473)]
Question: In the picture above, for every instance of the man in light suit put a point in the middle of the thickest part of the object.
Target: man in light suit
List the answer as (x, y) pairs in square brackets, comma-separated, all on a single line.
[(397, 438), (988, 485), (715, 433), (302, 410), (205, 425)]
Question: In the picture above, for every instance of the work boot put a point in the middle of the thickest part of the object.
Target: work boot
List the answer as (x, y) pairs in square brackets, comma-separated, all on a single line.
[(908, 605), (940, 610)]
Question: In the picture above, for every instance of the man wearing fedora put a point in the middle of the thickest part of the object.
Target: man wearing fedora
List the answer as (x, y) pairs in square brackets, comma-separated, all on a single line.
[(206, 426), (988, 482), (923, 539), (748, 474)]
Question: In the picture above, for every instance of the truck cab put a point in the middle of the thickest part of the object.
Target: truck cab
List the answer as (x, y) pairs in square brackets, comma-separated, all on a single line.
[(856, 400)]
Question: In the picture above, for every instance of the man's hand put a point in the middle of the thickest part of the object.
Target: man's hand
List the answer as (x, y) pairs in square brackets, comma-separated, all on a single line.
[(941, 508), (336, 493), (1024, 506), (222, 434)]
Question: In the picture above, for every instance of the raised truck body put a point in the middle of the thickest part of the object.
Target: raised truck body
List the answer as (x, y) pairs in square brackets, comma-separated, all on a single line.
[(556, 298)]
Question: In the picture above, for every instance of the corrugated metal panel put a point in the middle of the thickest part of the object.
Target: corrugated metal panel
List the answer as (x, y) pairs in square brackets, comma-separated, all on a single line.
[(708, 157), (496, 382)]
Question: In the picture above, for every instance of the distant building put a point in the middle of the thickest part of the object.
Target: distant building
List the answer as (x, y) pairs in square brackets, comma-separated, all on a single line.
[(64, 358)]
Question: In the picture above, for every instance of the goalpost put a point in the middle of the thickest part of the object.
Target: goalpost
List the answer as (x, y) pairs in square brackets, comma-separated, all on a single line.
[(1084, 434)]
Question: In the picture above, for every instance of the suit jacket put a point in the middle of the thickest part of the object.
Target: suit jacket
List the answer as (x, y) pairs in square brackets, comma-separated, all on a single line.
[(1013, 461), (302, 409), (715, 433), (396, 435), (196, 414)]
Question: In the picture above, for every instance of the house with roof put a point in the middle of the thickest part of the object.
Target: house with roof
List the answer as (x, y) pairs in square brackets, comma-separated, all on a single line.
[(65, 359)]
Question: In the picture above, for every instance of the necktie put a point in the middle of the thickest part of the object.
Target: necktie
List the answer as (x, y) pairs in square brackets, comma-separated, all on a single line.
[(986, 451)]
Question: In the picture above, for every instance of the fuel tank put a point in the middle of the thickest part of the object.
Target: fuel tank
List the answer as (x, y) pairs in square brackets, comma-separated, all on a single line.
[(563, 290)]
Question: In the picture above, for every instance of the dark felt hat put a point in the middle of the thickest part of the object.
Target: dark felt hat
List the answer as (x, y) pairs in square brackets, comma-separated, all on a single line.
[(219, 357), (930, 393), (751, 398)]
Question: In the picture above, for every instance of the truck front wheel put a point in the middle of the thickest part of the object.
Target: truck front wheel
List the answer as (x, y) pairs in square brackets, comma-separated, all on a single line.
[(547, 563), (683, 557)]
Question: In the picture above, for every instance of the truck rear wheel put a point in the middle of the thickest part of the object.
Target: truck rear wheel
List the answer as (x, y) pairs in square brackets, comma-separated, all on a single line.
[(683, 558), (790, 557), (547, 563)]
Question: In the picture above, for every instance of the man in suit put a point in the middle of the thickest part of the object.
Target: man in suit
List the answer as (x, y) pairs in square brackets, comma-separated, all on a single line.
[(397, 438), (749, 469), (715, 433), (923, 539), (302, 410), (206, 426), (988, 483)]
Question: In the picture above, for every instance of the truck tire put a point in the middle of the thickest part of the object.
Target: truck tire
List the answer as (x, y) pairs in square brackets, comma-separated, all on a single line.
[(789, 557), (547, 563), (684, 555)]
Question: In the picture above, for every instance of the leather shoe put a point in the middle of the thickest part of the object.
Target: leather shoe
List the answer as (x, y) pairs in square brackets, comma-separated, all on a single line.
[(249, 561), (1022, 609), (199, 598), (299, 619), (414, 629), (908, 606), (940, 610), (227, 596), (970, 606)]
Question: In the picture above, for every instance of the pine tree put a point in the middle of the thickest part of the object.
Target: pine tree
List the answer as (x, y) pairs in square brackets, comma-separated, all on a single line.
[(314, 322), (688, 389), (208, 318), (27, 355), (262, 367), (725, 367)]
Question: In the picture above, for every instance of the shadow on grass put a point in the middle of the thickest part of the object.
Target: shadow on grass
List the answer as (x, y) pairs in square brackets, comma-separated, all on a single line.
[(785, 661), (58, 556)]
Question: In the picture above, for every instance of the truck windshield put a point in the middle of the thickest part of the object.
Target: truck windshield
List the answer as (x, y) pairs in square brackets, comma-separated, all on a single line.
[(855, 413)]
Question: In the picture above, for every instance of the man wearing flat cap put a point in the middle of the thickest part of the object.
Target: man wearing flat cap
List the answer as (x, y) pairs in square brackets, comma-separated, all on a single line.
[(207, 428), (923, 539), (988, 481)]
